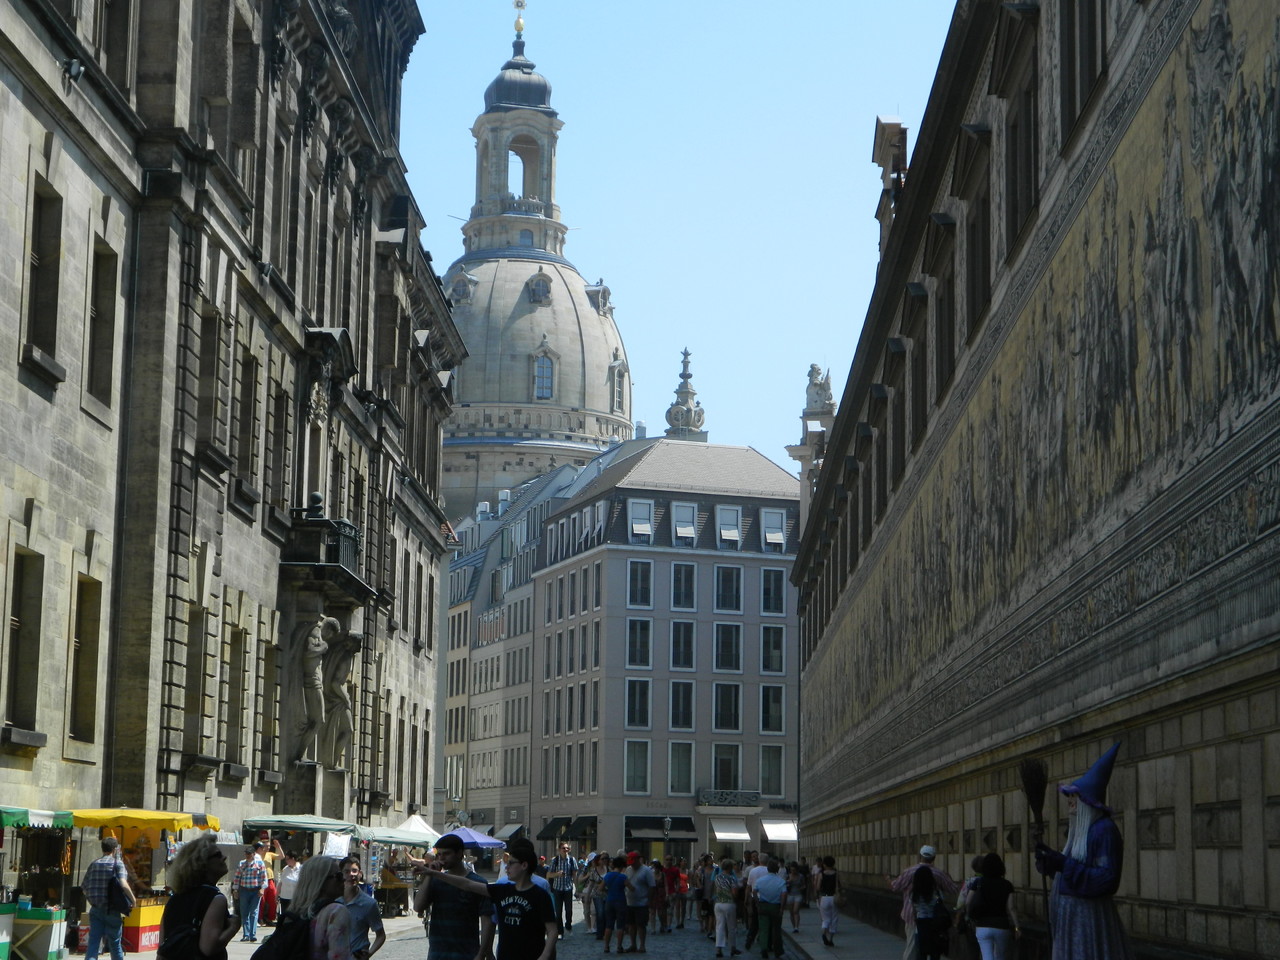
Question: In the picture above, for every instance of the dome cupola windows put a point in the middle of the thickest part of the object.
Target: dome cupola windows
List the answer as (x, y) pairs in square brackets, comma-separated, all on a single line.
[(544, 370), (539, 287)]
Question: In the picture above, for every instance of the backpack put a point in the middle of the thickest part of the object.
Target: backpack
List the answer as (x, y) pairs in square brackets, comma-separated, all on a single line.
[(182, 938), (291, 940)]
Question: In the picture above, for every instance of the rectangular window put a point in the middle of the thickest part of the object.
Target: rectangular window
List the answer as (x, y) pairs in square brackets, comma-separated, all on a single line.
[(546, 713), (771, 709), (640, 520), (555, 771), (596, 587), (637, 703), (1082, 28), (595, 644), (728, 647), (639, 583), (44, 261), (727, 707), (639, 643), (569, 650), (573, 592), (559, 654), (773, 657), (729, 528), (684, 595), (681, 705), (771, 770), (918, 334), (636, 766), (559, 701), (560, 598), (682, 645), (595, 766), (726, 765), (773, 530), (586, 592), (1022, 152), (568, 710), (246, 414), (582, 705), (773, 586), (595, 705), (81, 724), (26, 607), (684, 524), (100, 349), (944, 333), (680, 768), (729, 589)]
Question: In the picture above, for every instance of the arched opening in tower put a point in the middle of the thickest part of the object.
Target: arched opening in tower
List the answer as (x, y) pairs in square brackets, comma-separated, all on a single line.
[(522, 167)]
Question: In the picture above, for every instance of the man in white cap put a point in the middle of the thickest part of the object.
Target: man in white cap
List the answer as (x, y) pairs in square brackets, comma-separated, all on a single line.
[(902, 884)]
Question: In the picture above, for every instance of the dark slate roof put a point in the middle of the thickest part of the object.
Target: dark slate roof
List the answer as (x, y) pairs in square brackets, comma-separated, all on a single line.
[(518, 87)]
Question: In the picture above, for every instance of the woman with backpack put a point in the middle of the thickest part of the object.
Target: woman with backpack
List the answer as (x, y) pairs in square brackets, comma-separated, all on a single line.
[(933, 920), (196, 923)]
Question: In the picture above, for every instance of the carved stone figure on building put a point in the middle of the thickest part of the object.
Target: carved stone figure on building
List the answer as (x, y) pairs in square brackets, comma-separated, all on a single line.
[(314, 644), (338, 723), (818, 393)]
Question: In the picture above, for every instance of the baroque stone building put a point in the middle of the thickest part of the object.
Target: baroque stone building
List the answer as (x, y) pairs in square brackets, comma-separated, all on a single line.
[(230, 361), (1048, 515), (547, 382)]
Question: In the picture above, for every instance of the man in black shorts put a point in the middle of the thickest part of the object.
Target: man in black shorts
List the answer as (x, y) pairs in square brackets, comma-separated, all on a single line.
[(526, 919)]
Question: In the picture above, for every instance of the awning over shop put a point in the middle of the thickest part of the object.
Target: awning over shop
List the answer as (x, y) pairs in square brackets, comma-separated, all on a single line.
[(552, 829), (730, 829), (406, 838), (509, 831), (650, 828), (780, 831), (23, 817), (582, 827), (152, 819), (301, 821)]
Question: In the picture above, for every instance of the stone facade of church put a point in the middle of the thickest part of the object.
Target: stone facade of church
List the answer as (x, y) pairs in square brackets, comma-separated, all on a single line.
[(1048, 514), (229, 361)]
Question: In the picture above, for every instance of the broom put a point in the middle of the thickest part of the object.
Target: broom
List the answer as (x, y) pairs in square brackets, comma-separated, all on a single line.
[(1035, 781)]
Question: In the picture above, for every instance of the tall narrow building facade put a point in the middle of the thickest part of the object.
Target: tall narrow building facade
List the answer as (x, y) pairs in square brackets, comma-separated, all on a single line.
[(546, 382)]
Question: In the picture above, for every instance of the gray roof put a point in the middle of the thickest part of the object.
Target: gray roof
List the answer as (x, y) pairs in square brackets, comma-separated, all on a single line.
[(695, 468)]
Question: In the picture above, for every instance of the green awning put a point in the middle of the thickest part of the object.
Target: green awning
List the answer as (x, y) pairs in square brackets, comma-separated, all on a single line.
[(301, 821), (24, 817)]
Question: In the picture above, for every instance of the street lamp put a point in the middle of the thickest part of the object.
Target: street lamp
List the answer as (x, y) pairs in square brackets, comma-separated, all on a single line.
[(666, 832), (457, 802)]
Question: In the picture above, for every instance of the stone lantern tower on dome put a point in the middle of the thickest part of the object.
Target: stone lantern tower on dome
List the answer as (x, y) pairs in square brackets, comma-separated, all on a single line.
[(546, 380)]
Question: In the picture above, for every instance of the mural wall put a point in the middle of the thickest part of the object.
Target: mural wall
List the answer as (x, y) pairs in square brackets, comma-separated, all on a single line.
[(1093, 517)]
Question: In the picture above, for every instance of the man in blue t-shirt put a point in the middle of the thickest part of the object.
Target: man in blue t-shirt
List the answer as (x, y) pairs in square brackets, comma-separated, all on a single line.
[(615, 901), (365, 915)]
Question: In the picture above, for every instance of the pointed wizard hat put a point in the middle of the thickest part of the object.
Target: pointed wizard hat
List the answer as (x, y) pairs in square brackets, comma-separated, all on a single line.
[(1092, 787)]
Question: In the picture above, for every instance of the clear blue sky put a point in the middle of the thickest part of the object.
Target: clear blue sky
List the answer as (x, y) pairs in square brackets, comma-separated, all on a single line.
[(715, 169)]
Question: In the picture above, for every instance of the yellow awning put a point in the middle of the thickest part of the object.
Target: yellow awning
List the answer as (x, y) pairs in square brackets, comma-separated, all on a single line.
[(153, 819)]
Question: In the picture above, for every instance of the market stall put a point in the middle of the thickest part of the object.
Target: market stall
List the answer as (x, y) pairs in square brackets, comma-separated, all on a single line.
[(148, 841), (396, 869), (35, 860)]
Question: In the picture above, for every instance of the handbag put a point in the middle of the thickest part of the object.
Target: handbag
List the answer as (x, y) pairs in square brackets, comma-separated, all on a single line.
[(116, 900)]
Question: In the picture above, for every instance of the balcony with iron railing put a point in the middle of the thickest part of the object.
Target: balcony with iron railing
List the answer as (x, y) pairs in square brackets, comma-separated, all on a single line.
[(325, 550)]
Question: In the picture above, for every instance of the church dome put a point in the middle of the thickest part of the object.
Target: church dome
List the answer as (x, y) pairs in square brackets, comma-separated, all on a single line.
[(518, 86), (541, 339)]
